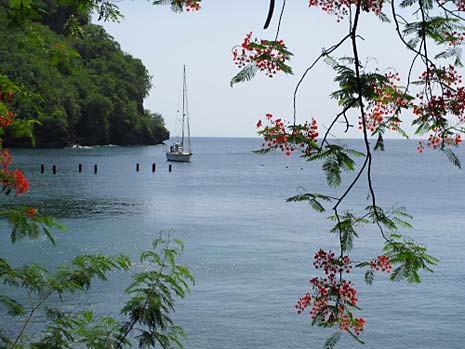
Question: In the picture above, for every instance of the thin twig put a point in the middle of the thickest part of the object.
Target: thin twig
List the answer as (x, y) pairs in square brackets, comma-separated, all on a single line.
[(280, 19), (323, 54), (31, 315), (343, 112), (452, 13)]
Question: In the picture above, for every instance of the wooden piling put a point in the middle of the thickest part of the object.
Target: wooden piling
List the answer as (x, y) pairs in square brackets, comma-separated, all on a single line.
[(137, 167), (80, 168), (153, 167), (95, 169), (42, 168), (169, 168), (54, 169)]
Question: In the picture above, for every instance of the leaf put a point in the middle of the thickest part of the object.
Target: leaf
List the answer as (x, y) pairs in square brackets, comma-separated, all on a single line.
[(49, 235), (247, 73), (410, 256), (382, 16), (357, 338), (13, 308), (452, 157), (332, 340), (88, 315), (332, 171), (312, 199), (379, 143), (397, 274), (369, 277)]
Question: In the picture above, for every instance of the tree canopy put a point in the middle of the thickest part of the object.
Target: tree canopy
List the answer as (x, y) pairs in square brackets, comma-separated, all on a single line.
[(91, 92)]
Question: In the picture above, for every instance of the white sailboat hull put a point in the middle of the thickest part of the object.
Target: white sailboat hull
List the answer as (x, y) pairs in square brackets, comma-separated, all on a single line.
[(179, 157)]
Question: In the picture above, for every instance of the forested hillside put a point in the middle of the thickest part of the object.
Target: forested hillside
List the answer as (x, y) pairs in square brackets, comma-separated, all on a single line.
[(90, 91)]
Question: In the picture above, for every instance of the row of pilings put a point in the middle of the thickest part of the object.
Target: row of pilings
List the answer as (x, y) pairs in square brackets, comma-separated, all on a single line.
[(80, 167)]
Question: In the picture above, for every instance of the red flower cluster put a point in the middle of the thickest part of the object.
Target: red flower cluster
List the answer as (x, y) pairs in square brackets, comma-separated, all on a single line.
[(436, 110), (21, 185), (5, 158), (303, 303), (288, 138), (460, 4), (439, 137), (382, 263), (420, 147), (341, 7), (269, 56), (189, 5), (455, 38), (31, 212), (5, 96), (332, 295), (330, 269), (384, 110), (357, 324), (10, 180), (5, 120), (6, 117)]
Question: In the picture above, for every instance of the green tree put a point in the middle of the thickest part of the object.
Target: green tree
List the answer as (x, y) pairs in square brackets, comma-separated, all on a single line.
[(92, 93)]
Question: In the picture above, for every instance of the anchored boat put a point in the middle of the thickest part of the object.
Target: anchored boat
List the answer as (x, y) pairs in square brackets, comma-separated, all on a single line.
[(181, 151)]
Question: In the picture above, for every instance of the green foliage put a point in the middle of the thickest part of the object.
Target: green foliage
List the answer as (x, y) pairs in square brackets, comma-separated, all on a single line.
[(176, 6), (13, 308), (25, 224), (152, 295), (82, 328), (332, 340), (435, 28), (245, 74), (345, 227), (60, 15), (452, 156), (391, 219), (335, 160), (369, 277), (379, 145), (92, 93), (313, 200), (410, 256), (152, 299)]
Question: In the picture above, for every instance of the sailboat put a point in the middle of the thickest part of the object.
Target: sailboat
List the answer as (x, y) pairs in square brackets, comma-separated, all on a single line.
[(181, 151)]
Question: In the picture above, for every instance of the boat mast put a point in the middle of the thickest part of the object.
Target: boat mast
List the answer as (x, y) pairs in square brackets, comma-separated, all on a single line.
[(183, 104), (187, 115)]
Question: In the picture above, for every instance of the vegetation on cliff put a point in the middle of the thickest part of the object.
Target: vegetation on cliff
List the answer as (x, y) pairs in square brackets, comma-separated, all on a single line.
[(88, 91)]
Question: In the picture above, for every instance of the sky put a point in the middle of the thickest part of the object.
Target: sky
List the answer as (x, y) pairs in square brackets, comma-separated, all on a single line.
[(203, 41)]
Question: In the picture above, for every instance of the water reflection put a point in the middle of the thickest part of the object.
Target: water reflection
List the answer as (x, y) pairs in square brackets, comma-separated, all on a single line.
[(74, 207)]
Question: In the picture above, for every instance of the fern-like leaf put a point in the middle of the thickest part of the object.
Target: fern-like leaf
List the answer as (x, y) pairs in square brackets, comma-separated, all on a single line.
[(13, 308), (332, 340), (247, 73), (452, 157), (369, 277)]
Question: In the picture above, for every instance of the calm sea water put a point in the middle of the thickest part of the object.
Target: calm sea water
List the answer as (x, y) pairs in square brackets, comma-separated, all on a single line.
[(251, 253)]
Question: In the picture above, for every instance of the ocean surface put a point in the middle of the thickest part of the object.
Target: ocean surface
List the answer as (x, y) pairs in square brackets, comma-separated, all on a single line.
[(250, 251)]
